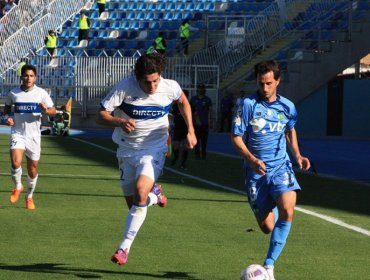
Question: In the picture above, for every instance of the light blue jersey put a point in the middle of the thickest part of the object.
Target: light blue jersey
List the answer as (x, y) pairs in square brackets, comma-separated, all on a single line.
[(262, 126)]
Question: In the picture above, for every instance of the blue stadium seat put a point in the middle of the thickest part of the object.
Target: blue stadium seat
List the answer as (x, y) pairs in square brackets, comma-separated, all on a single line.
[(149, 16), (135, 25), (152, 6), (171, 6), (116, 25), (125, 25), (94, 15), (92, 44), (103, 34), (112, 16), (140, 16), (168, 16), (131, 16), (132, 7)]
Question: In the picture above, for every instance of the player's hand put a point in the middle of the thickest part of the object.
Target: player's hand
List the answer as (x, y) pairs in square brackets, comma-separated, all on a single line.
[(191, 140), (128, 126), (9, 121), (303, 163), (258, 166), (43, 107)]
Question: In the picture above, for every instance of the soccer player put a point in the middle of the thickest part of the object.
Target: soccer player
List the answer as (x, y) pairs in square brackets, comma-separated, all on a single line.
[(30, 101), (138, 108), (266, 120)]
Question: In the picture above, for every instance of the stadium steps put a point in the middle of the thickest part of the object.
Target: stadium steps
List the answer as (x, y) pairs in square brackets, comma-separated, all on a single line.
[(233, 81)]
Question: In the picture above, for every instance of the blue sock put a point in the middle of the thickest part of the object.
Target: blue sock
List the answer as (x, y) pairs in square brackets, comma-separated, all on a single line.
[(276, 213), (277, 242)]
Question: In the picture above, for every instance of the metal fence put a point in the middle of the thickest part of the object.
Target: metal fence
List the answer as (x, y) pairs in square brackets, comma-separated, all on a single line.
[(25, 27), (89, 79)]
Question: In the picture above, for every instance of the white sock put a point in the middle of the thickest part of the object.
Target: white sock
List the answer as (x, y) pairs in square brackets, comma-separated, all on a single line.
[(16, 177), (152, 199), (134, 220), (31, 183)]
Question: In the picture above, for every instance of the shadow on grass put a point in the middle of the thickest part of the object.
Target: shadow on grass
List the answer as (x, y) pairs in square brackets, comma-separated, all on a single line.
[(53, 268)]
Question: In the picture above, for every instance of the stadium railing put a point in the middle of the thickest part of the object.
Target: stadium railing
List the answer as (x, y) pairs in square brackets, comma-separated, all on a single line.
[(30, 37)]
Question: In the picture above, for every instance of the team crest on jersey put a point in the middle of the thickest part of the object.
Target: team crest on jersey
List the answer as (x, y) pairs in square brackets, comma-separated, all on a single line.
[(257, 124)]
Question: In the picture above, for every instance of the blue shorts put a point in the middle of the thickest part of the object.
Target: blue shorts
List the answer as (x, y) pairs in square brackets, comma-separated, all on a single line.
[(263, 191)]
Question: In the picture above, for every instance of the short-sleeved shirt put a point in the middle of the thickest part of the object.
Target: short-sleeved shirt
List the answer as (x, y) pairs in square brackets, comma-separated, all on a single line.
[(201, 107), (150, 112), (263, 125), (27, 112)]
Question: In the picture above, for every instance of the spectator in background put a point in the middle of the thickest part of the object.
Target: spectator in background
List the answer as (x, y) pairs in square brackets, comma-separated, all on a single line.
[(83, 27), (160, 44), (201, 106), (51, 43), (101, 6), (184, 30), (227, 104), (180, 131)]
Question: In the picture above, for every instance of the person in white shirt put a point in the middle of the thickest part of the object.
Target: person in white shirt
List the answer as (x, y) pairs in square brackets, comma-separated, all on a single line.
[(30, 102), (138, 108)]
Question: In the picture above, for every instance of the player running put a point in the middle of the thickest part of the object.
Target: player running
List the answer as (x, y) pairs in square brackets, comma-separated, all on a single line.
[(138, 107), (29, 102), (267, 121)]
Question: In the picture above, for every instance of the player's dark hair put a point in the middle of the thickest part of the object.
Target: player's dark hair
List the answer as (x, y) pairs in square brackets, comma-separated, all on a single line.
[(149, 64), (264, 67), (27, 67)]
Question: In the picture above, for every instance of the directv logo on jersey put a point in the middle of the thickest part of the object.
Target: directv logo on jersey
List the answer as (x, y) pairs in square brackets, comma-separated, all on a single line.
[(147, 113), (26, 108)]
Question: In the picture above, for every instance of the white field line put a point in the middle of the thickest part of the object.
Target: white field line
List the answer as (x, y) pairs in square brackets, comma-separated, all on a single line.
[(300, 209)]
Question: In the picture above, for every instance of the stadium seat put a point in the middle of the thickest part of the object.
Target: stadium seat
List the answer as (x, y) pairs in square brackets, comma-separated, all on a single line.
[(82, 44), (104, 16), (113, 34), (103, 34)]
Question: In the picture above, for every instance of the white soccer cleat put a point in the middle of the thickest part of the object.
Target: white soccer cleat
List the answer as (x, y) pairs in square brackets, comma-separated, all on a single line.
[(270, 271)]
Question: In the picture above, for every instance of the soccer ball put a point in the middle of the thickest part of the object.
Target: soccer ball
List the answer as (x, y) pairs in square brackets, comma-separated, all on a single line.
[(254, 272)]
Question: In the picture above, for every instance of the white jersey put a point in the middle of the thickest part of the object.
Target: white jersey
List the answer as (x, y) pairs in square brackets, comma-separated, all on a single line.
[(127, 100), (27, 112)]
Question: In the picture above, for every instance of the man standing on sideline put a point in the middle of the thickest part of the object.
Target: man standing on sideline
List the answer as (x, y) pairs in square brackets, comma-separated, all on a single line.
[(138, 108), (51, 43), (201, 106), (83, 27), (29, 102), (267, 121)]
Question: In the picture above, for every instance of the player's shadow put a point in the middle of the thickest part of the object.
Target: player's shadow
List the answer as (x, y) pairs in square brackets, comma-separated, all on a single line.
[(53, 268)]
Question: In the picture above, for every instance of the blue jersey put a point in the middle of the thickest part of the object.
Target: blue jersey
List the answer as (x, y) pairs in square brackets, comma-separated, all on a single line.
[(262, 126)]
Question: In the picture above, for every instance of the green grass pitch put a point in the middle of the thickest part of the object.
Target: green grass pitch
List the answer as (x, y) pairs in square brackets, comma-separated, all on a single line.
[(205, 233)]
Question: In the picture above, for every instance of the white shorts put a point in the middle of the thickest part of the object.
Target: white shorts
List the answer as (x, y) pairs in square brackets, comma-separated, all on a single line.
[(31, 145), (142, 162)]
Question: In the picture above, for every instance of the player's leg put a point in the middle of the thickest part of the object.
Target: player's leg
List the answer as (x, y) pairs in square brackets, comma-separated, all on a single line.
[(17, 147), (148, 168), (33, 152), (16, 156), (283, 191)]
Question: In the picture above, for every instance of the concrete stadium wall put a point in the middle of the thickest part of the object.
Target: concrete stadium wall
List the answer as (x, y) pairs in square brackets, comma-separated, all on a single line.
[(313, 111)]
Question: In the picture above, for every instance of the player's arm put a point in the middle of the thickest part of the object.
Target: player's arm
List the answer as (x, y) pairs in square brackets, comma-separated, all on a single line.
[(292, 141), (106, 118), (258, 165), (50, 111), (7, 111), (185, 110)]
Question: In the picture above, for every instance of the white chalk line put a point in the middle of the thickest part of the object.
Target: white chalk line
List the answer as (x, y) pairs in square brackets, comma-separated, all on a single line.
[(300, 209)]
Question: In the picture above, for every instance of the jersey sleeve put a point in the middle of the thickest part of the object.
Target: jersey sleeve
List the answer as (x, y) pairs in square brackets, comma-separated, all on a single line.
[(293, 115), (241, 118), (47, 99), (114, 98), (176, 95)]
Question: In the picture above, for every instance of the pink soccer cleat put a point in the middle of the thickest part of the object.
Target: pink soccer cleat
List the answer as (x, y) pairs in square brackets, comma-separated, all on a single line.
[(120, 257), (157, 190)]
